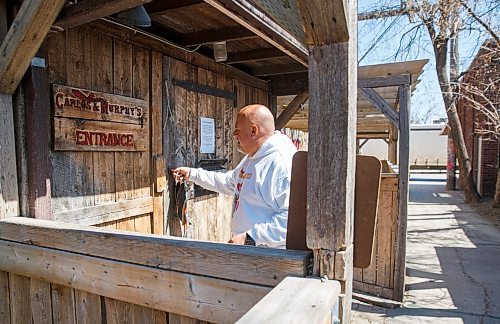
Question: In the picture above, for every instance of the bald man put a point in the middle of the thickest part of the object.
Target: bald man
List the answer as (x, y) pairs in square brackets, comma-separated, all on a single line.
[(260, 183)]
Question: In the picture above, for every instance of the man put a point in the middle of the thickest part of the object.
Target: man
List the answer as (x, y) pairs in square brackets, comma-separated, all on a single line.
[(260, 183)]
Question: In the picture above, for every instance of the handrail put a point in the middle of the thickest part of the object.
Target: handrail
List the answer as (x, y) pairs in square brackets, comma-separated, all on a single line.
[(261, 266), (297, 300)]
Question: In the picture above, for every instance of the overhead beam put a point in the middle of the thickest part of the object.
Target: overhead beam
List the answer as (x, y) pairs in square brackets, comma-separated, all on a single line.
[(90, 10), (382, 105), (291, 109), (247, 15), (23, 40), (324, 22), (289, 84), (158, 8), (278, 69), (255, 55), (388, 81), (216, 35)]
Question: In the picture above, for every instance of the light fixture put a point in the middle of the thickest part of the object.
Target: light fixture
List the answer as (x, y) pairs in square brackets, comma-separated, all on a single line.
[(136, 16), (220, 51)]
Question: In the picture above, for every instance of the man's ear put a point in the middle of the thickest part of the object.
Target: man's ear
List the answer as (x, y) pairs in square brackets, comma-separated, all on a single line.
[(255, 129)]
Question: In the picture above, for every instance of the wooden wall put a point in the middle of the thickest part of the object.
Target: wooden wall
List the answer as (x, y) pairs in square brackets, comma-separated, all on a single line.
[(209, 215), (378, 278), (115, 188)]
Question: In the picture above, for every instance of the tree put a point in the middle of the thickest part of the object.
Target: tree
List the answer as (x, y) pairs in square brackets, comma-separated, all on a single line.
[(444, 20)]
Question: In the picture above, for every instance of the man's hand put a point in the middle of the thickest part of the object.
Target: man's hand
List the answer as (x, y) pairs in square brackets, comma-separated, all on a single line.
[(181, 173), (238, 239)]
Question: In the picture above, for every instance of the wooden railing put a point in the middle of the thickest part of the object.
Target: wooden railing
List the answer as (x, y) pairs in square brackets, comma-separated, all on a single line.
[(297, 300), (103, 273)]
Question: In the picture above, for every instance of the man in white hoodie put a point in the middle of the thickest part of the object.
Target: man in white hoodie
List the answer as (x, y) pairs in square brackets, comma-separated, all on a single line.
[(260, 183)]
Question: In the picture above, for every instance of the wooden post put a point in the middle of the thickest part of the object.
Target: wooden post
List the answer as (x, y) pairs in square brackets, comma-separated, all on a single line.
[(404, 161), (332, 133), (393, 144), (9, 199), (37, 122)]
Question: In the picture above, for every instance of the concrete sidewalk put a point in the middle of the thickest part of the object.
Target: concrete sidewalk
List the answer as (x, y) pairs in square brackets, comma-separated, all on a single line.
[(453, 263)]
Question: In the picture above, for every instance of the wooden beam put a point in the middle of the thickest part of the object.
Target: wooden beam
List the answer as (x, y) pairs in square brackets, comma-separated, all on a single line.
[(324, 22), (158, 8), (296, 300), (404, 169), (254, 55), (289, 84), (261, 266), (216, 35), (152, 42), (99, 214), (90, 10), (204, 89), (249, 16), (23, 40), (381, 104), (278, 70), (291, 109), (190, 295), (389, 81)]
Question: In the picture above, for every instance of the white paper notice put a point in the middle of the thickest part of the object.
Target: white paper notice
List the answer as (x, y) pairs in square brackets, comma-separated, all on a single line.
[(207, 126)]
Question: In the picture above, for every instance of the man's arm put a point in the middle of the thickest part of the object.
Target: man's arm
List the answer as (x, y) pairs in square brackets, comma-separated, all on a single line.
[(216, 181)]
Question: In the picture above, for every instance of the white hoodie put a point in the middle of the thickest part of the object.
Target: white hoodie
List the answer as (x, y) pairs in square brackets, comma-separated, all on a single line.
[(261, 188)]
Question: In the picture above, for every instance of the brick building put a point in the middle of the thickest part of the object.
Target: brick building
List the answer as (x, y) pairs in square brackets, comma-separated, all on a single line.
[(478, 108)]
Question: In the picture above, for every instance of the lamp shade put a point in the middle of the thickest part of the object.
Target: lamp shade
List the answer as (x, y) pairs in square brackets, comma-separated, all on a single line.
[(135, 17)]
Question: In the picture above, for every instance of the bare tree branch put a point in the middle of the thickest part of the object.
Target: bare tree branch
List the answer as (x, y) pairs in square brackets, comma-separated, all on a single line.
[(480, 21)]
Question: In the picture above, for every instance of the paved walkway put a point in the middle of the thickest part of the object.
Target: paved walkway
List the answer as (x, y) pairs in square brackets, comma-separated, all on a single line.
[(453, 263)]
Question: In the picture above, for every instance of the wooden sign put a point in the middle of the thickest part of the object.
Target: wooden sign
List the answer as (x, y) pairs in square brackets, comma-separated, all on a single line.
[(88, 135), (92, 105), (93, 121)]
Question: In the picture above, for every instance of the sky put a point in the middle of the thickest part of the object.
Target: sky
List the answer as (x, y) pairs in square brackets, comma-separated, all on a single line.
[(380, 41)]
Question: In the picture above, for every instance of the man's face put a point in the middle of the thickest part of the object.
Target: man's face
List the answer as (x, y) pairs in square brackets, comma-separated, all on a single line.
[(244, 135)]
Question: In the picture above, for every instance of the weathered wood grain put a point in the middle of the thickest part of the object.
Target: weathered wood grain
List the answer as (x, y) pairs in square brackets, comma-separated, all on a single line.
[(82, 13), (63, 300), (9, 200), (20, 302), (102, 80), (404, 168), (25, 35), (147, 286), (296, 300), (37, 123), (122, 84), (141, 75), (41, 302), (104, 213), (159, 178), (4, 297), (241, 263), (87, 307)]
